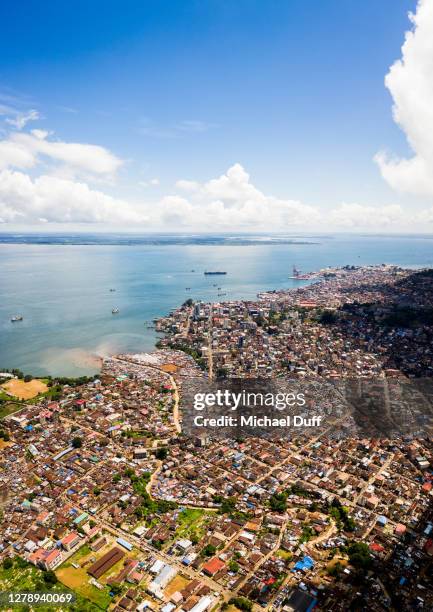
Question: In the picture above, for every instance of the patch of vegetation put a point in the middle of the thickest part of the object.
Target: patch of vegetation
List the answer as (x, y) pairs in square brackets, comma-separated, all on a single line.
[(335, 569), (359, 555), (148, 505), (194, 353), (73, 382), (284, 554), (192, 524), (161, 453), (227, 504), (299, 490), (328, 317), (341, 516), (209, 550), (22, 576), (7, 407), (77, 442), (307, 534), (278, 502), (242, 603)]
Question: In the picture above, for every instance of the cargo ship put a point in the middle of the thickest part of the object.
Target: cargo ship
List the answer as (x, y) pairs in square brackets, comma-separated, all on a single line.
[(213, 273)]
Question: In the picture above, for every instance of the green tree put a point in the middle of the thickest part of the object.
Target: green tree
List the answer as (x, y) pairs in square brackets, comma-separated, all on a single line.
[(77, 442), (228, 505), (328, 317), (242, 603), (161, 453), (7, 563), (50, 577), (278, 502), (209, 550), (116, 588), (359, 555), (336, 569)]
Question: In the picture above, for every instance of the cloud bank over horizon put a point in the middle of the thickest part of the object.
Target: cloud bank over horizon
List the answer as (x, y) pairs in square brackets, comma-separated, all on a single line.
[(228, 202)]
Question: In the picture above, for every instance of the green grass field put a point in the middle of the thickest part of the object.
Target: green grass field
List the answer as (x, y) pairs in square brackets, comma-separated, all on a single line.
[(8, 407), (192, 522), (77, 579), (25, 577)]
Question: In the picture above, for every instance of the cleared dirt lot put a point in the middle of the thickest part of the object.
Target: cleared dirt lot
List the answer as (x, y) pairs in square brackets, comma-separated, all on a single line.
[(24, 390)]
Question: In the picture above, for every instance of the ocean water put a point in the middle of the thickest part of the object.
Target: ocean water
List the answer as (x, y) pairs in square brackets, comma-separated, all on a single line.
[(63, 290)]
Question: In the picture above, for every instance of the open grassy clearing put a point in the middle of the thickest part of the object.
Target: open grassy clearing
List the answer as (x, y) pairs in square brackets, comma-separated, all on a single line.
[(25, 577)]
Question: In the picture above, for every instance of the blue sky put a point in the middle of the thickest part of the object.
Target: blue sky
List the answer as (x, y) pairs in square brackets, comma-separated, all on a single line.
[(292, 90)]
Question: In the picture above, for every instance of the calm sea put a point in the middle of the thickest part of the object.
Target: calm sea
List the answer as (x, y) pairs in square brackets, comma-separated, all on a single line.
[(63, 291)]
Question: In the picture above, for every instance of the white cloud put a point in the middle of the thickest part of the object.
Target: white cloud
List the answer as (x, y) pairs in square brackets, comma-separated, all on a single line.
[(24, 150), (410, 83), (13, 155), (21, 119), (229, 202), (232, 201), (354, 216), (55, 200), (86, 157)]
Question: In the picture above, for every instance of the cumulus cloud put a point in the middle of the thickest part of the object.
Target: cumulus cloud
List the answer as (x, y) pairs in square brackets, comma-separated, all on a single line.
[(232, 201), (25, 150), (229, 202), (410, 83), (51, 199)]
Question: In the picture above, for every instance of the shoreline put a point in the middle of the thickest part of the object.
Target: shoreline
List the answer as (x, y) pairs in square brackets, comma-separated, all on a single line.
[(81, 358)]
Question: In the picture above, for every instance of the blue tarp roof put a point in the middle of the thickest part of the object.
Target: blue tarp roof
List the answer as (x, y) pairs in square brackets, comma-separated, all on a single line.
[(304, 564)]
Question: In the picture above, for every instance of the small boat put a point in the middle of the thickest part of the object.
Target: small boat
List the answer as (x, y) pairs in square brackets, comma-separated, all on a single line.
[(112, 290), (187, 288), (192, 270), (115, 311), (16, 318)]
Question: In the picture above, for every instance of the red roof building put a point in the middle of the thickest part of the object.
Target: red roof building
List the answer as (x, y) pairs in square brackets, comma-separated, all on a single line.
[(213, 566)]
